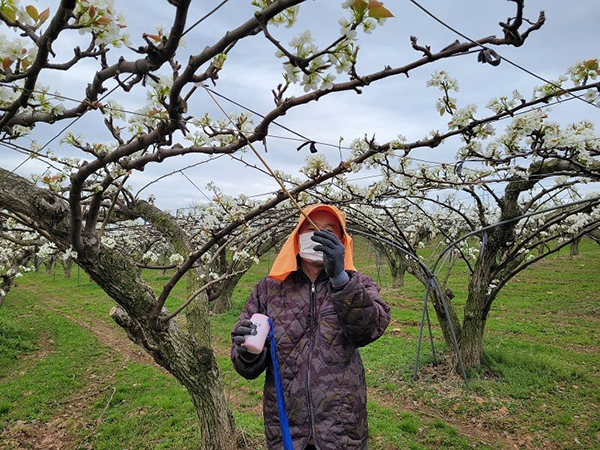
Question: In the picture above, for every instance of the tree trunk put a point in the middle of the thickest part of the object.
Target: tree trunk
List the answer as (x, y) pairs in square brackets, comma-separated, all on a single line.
[(216, 421), (67, 266), (471, 337), (49, 265), (439, 299), (480, 296), (395, 263), (479, 301), (201, 374), (398, 271), (222, 303), (6, 282), (575, 247), (196, 368)]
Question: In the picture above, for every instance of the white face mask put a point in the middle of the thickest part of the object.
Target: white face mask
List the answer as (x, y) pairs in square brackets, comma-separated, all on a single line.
[(306, 248)]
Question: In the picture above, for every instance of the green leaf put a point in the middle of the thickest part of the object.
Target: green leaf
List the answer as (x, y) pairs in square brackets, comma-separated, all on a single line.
[(9, 13), (33, 12), (359, 6), (378, 11)]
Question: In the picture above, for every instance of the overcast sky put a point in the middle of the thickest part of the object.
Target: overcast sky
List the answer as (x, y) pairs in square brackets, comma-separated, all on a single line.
[(388, 108)]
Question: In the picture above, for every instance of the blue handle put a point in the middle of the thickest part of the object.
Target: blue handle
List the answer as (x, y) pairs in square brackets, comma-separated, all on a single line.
[(286, 434)]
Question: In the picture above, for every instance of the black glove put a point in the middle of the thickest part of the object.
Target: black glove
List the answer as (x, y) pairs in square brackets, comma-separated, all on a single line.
[(243, 329), (333, 255)]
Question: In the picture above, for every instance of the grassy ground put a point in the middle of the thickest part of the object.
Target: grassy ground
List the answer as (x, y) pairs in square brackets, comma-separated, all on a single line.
[(70, 379)]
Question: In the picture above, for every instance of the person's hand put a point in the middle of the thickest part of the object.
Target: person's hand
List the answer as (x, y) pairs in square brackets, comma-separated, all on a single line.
[(241, 331), (333, 252)]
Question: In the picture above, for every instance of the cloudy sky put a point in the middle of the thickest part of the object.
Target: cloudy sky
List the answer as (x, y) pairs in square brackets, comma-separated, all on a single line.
[(387, 108)]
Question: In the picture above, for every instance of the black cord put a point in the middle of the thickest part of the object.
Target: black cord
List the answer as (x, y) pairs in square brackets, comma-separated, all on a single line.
[(204, 18), (527, 71)]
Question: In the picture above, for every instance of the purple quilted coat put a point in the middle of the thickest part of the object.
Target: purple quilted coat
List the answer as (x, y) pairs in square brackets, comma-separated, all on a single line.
[(318, 332)]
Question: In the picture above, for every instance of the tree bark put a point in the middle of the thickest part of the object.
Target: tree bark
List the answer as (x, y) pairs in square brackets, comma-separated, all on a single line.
[(575, 247), (49, 265), (471, 342), (5, 285), (475, 316), (222, 303), (36, 263), (67, 267), (398, 270)]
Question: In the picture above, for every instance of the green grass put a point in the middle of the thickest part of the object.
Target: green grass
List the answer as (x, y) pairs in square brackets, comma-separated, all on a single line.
[(42, 374), (148, 410), (540, 383)]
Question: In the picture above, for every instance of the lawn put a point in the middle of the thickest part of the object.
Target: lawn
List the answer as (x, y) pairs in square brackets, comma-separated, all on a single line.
[(69, 377)]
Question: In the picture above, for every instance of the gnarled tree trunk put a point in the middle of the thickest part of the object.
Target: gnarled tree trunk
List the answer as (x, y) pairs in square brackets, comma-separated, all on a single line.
[(188, 356), (222, 303), (67, 267), (49, 265), (398, 270), (204, 383), (575, 247)]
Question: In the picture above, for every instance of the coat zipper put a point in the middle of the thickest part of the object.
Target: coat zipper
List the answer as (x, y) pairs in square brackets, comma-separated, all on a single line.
[(311, 416)]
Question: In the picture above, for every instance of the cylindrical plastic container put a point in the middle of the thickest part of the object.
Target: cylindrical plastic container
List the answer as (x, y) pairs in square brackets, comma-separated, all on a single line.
[(260, 329)]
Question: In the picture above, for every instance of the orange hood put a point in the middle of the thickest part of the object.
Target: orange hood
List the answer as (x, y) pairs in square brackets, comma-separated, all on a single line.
[(286, 261)]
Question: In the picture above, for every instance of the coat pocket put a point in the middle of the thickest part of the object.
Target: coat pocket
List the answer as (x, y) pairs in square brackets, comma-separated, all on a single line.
[(334, 346)]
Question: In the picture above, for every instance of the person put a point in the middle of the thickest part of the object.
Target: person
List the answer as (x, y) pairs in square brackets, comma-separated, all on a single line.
[(322, 310)]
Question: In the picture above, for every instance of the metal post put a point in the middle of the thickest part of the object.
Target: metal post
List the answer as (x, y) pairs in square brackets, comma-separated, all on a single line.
[(416, 374), (430, 337)]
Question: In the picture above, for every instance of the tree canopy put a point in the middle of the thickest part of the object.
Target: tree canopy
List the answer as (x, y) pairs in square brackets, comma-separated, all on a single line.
[(83, 204)]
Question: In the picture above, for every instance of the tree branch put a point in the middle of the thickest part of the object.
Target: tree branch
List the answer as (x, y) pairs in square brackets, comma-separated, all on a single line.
[(58, 23)]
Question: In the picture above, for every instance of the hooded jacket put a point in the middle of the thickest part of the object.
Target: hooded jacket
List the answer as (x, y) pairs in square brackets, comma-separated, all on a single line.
[(318, 331)]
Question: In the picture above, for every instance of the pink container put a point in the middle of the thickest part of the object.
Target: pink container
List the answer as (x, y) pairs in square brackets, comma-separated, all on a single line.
[(260, 329)]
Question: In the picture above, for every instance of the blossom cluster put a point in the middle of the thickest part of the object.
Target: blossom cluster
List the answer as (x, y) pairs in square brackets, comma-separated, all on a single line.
[(287, 17), (100, 18), (339, 56)]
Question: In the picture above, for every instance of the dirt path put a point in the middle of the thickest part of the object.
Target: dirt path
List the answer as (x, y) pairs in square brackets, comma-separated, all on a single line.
[(64, 430), (108, 333)]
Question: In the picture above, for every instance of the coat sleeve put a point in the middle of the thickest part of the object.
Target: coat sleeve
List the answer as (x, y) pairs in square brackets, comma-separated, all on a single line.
[(249, 366), (362, 314)]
